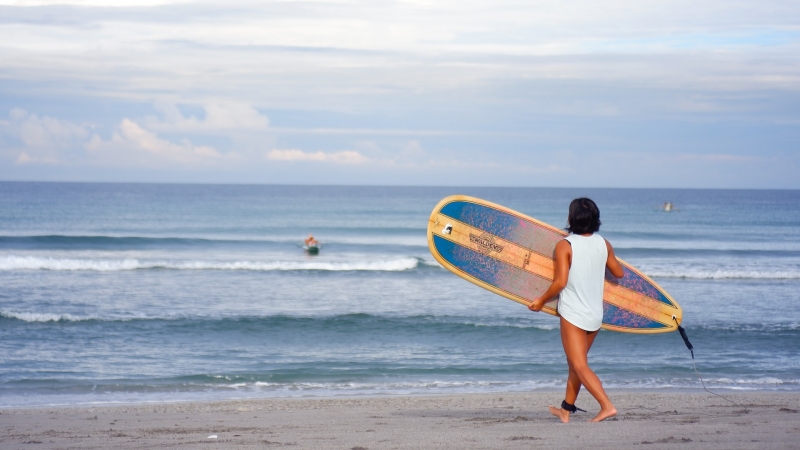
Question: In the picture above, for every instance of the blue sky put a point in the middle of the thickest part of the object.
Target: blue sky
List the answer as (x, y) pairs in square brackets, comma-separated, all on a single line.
[(671, 94)]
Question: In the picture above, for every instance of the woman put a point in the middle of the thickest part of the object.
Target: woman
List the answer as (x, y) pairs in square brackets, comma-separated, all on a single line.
[(580, 263)]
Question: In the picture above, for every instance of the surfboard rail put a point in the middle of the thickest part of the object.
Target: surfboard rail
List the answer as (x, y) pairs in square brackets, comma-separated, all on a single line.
[(511, 254)]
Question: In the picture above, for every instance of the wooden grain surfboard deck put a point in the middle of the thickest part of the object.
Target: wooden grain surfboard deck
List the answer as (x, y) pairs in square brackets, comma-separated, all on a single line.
[(511, 254)]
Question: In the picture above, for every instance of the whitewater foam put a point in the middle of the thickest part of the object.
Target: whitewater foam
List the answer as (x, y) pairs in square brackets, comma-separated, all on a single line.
[(411, 320), (40, 317), (111, 265), (14, 262), (744, 382), (780, 246), (79, 240)]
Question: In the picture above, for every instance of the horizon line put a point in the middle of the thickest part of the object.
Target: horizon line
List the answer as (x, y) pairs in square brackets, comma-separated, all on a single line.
[(212, 183)]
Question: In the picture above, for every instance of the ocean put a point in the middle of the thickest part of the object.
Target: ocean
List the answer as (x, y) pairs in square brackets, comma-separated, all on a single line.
[(155, 292)]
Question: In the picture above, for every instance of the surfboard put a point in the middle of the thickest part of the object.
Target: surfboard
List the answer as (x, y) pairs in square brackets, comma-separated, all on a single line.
[(511, 254)]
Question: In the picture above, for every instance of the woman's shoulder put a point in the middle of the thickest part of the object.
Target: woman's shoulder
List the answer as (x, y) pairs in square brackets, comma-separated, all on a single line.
[(593, 241), (595, 236)]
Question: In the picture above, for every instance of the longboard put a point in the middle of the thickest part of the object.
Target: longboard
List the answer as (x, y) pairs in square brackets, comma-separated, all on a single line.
[(511, 254)]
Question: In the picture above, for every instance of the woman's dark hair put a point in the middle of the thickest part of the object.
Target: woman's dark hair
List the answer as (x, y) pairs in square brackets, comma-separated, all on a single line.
[(584, 216)]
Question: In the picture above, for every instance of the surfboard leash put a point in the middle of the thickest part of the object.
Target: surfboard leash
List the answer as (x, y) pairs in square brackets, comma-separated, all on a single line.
[(689, 345)]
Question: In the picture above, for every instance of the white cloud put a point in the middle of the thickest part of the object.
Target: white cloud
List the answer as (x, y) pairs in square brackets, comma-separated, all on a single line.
[(342, 157), (131, 143), (25, 158), (508, 81), (309, 52), (713, 157), (43, 139), (44, 132), (409, 154), (219, 117), (102, 3), (49, 140), (412, 152)]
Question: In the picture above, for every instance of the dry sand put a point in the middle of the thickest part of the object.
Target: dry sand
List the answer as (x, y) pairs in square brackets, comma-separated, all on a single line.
[(678, 420)]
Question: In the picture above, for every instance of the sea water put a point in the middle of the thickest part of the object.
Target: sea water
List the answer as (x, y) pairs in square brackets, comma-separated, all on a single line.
[(142, 292)]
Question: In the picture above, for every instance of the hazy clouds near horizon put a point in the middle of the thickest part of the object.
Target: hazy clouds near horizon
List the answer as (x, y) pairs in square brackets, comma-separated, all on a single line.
[(521, 93)]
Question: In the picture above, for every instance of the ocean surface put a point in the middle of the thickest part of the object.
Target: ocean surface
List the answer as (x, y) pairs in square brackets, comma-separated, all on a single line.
[(143, 292)]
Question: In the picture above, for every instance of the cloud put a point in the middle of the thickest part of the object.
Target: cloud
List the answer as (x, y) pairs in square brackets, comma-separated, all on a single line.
[(45, 132), (102, 3), (25, 158), (412, 152), (493, 85), (342, 157), (49, 140), (132, 143), (42, 139), (219, 117), (713, 157)]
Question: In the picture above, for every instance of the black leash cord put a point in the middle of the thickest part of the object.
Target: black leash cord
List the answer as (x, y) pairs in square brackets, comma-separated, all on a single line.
[(691, 350)]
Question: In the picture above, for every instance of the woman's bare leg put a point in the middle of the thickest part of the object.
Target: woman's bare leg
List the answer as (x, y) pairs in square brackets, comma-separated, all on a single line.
[(573, 387), (573, 381), (576, 346), (573, 384)]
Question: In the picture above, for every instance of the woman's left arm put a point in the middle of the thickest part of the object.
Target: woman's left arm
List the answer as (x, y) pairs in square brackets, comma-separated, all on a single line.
[(613, 265)]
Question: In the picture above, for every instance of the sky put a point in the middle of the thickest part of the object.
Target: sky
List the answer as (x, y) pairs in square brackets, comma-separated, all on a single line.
[(618, 93)]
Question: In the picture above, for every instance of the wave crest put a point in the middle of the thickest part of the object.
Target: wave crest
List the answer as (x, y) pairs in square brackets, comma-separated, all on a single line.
[(113, 265), (44, 317), (356, 320)]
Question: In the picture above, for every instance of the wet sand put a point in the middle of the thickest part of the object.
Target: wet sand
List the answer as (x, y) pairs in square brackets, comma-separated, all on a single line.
[(480, 421)]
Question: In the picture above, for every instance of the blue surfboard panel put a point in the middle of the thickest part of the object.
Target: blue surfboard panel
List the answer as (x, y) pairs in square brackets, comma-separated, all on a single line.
[(504, 276)]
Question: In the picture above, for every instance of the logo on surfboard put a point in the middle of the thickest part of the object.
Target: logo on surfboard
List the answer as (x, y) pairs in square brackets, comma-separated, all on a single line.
[(485, 243)]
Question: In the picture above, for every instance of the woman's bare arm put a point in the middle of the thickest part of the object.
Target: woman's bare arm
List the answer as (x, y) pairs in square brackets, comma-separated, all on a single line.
[(562, 263), (613, 265)]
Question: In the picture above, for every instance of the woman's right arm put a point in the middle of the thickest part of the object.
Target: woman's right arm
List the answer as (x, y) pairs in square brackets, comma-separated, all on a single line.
[(613, 265), (563, 261)]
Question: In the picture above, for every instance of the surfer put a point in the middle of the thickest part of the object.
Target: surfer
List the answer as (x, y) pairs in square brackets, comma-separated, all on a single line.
[(311, 242), (580, 262)]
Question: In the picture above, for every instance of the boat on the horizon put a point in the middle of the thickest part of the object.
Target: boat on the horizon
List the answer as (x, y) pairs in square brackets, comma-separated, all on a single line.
[(667, 207)]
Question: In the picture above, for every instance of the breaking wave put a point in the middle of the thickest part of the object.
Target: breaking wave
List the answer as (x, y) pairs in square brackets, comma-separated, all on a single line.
[(113, 265), (44, 317)]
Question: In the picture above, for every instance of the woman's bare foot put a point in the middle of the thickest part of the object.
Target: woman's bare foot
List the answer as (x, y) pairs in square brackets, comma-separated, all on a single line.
[(605, 414), (562, 414)]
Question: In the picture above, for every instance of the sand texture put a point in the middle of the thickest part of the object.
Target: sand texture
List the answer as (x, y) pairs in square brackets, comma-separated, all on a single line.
[(479, 421)]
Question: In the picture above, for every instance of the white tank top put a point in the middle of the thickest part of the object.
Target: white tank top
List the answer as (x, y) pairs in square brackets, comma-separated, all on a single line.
[(581, 301)]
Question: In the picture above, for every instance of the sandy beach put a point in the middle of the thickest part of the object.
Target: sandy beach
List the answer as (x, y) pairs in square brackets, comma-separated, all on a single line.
[(656, 420)]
